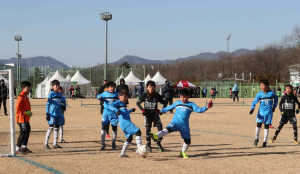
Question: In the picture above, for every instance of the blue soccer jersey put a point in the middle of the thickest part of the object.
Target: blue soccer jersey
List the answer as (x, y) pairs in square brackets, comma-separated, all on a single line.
[(108, 99), (53, 107), (124, 118), (268, 102)]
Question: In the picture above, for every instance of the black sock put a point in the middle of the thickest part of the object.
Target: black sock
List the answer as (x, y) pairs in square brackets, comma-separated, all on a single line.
[(295, 131), (278, 130)]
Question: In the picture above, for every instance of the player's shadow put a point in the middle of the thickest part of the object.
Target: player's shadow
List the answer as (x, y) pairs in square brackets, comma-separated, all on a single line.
[(208, 145)]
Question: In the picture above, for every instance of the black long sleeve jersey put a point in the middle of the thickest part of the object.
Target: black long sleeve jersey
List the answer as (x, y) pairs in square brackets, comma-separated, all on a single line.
[(150, 104), (287, 104)]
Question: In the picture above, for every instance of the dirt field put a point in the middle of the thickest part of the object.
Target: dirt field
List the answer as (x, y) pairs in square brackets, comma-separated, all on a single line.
[(222, 142)]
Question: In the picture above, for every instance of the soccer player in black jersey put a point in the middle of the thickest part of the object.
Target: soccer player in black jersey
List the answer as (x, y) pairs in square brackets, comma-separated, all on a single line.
[(150, 111), (288, 112)]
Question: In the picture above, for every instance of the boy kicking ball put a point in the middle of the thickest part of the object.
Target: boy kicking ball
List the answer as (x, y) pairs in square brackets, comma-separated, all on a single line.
[(288, 112), (126, 125), (180, 121), (266, 109)]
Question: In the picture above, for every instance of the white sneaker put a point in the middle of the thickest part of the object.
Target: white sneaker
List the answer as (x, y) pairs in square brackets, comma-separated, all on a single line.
[(122, 156)]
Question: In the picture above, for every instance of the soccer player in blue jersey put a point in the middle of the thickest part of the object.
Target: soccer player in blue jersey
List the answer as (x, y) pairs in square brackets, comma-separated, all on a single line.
[(53, 113), (268, 103), (62, 117), (109, 97), (126, 125), (180, 121)]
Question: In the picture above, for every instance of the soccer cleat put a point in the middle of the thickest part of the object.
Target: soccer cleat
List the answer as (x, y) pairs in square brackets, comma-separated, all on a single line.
[(122, 156), (271, 126), (47, 146), (103, 146), (62, 141), (153, 136), (184, 155), (137, 152), (264, 144), (5, 114), (255, 142), (160, 147), (113, 146), (20, 151), (273, 140), (26, 150), (108, 136), (296, 142), (56, 146), (150, 148)]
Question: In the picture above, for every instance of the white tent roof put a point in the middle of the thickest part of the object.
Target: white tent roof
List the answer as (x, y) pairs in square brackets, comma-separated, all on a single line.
[(158, 78), (132, 79), (44, 81), (79, 79), (147, 78), (5, 80), (58, 77), (68, 77)]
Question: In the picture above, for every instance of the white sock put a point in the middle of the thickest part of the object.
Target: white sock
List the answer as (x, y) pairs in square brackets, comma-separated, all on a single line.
[(17, 148), (114, 136), (103, 134), (24, 146), (185, 147), (125, 147), (48, 135), (257, 131), (61, 132), (55, 136), (266, 135), (162, 133), (138, 140)]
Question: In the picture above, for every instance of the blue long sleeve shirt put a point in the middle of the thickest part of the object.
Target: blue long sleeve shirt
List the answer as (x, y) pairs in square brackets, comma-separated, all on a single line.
[(108, 99), (268, 101), (124, 117), (53, 106)]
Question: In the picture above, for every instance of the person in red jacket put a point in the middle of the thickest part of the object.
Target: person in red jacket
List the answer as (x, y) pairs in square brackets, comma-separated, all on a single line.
[(23, 117), (212, 93)]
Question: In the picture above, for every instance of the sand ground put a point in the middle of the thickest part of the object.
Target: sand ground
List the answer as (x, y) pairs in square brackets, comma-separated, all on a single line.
[(222, 142)]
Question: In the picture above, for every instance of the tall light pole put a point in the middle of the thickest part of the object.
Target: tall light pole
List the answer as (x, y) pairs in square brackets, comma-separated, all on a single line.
[(18, 38), (228, 45), (106, 17)]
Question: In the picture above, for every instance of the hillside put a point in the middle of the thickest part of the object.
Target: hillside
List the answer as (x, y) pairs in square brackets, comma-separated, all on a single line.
[(36, 61)]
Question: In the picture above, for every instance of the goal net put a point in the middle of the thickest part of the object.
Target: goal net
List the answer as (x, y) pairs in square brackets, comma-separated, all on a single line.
[(7, 114)]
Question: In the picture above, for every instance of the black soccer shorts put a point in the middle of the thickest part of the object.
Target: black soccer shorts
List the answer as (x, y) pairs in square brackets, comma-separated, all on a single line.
[(285, 119), (155, 119)]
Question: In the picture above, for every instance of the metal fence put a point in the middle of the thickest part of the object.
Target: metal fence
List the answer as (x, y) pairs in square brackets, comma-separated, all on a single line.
[(223, 88)]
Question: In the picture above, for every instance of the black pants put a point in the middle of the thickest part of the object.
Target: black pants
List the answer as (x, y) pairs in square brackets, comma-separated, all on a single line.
[(204, 96), (170, 101), (24, 134), (236, 95), (3, 99)]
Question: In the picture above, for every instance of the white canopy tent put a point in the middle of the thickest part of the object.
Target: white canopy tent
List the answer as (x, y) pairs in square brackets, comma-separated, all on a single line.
[(118, 79), (64, 83), (147, 78), (131, 79), (5, 80), (159, 79), (40, 91), (83, 83), (68, 77)]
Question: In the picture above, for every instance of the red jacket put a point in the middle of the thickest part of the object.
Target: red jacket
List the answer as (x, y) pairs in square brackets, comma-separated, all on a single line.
[(23, 105)]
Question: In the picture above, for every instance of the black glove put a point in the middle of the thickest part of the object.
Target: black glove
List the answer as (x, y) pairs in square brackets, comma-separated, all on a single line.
[(273, 109), (63, 108), (133, 109), (252, 110), (47, 117), (144, 112), (118, 113)]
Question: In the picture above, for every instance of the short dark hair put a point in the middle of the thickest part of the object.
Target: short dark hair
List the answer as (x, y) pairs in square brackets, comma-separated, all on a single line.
[(123, 92), (2, 80), (150, 83), (184, 92), (25, 84), (111, 84), (55, 82), (265, 82), (290, 86)]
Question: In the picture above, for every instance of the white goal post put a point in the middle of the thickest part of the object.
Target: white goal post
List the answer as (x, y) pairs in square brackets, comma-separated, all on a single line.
[(10, 130)]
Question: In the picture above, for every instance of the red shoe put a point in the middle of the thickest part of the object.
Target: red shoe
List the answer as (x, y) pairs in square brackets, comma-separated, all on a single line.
[(271, 126), (107, 136)]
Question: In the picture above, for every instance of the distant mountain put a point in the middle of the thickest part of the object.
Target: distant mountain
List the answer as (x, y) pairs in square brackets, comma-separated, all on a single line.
[(36, 61), (132, 60)]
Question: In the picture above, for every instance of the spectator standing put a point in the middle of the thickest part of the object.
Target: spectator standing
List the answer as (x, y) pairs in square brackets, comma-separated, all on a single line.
[(235, 92), (168, 94)]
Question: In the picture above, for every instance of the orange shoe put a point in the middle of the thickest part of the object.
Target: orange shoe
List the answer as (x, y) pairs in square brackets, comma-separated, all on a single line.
[(271, 126), (108, 136)]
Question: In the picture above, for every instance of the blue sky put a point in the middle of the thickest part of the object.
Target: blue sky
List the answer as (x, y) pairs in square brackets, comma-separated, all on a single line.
[(71, 31)]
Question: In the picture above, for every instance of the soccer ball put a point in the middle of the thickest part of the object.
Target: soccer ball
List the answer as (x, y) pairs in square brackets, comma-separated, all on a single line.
[(144, 150)]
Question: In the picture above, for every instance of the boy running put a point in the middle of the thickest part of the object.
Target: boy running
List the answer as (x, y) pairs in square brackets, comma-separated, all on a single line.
[(150, 111), (129, 129), (62, 117), (180, 121), (23, 117), (266, 109), (53, 114), (108, 116), (288, 112)]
